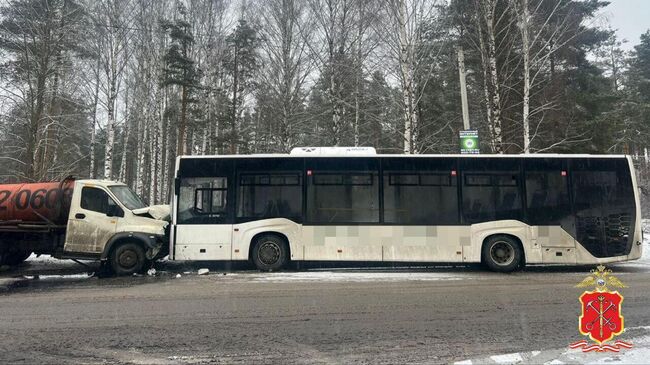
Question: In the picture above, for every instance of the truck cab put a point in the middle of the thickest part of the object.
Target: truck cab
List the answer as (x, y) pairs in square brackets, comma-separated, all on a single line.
[(107, 220), (81, 219)]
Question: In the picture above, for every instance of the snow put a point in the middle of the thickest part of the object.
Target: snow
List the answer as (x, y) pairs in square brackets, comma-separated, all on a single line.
[(507, 358), (84, 275), (42, 258), (361, 276), (639, 354)]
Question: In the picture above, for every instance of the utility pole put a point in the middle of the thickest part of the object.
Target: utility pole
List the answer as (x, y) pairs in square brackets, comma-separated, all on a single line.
[(463, 87)]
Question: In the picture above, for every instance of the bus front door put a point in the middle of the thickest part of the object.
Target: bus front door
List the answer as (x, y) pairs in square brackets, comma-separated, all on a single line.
[(202, 224)]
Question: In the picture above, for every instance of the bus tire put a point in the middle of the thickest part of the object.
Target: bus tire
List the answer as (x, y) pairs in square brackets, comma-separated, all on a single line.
[(502, 253), (270, 253), (127, 258), (14, 257)]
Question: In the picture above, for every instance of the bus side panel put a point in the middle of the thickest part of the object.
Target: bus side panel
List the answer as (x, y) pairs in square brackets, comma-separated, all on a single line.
[(203, 242), (344, 243), (385, 243), (426, 243)]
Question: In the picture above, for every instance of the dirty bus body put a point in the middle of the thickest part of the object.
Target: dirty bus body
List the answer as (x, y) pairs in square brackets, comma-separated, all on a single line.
[(503, 211), (79, 219)]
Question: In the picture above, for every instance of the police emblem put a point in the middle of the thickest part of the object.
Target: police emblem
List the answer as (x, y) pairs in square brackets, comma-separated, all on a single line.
[(601, 318)]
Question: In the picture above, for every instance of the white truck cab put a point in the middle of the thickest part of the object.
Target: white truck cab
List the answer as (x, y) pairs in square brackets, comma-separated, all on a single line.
[(108, 220)]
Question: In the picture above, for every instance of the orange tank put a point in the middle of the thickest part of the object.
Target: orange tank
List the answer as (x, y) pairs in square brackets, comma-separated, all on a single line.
[(44, 202)]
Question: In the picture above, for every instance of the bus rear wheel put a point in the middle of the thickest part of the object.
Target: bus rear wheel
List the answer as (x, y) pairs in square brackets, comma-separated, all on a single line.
[(502, 253), (270, 253), (127, 258)]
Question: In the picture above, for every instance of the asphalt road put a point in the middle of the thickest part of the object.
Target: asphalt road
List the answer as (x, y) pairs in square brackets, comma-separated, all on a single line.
[(379, 315)]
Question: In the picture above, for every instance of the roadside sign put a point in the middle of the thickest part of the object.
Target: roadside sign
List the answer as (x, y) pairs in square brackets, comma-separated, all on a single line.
[(469, 142)]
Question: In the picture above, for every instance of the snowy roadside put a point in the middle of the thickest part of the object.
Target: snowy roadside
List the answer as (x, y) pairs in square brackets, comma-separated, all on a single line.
[(42, 258), (639, 354), (359, 276)]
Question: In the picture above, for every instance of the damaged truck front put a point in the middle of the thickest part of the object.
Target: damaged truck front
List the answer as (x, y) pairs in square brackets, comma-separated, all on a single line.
[(81, 219)]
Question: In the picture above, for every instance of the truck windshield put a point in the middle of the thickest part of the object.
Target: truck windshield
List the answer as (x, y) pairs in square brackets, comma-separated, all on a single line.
[(128, 197)]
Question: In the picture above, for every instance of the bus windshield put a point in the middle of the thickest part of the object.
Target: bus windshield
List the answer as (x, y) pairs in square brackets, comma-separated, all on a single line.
[(128, 197)]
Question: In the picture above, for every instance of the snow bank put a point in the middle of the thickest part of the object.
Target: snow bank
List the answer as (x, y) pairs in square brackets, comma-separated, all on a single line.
[(42, 258), (363, 276)]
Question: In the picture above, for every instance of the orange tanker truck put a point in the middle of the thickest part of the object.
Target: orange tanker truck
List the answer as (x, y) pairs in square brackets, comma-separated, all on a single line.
[(81, 219)]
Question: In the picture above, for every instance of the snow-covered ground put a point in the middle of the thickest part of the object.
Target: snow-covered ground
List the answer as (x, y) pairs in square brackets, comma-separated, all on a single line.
[(639, 354), (42, 258), (357, 276)]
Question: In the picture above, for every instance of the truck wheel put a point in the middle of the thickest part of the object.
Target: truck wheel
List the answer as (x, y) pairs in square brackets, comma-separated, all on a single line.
[(502, 253), (270, 253), (127, 259), (14, 257)]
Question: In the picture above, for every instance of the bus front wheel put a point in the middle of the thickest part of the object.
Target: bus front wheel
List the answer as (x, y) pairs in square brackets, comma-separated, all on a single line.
[(502, 253), (270, 253)]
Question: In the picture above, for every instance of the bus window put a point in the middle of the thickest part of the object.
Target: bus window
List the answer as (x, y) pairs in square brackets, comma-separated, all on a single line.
[(203, 200), (489, 196), (604, 205), (507, 199), (343, 197), (478, 198), (269, 195), (425, 198), (547, 197)]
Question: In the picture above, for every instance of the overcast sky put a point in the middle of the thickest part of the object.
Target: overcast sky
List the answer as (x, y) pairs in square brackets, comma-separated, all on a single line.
[(630, 17)]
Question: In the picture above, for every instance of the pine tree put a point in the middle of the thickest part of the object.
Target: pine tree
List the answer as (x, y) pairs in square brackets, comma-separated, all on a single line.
[(180, 69), (240, 64)]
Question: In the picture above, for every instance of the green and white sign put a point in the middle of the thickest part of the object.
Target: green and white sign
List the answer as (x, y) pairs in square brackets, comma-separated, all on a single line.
[(469, 142)]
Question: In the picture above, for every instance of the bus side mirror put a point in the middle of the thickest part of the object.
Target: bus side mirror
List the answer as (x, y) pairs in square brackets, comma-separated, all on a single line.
[(177, 186)]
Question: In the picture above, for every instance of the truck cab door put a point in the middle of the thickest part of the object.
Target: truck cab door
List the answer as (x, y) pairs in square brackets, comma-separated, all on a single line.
[(92, 221)]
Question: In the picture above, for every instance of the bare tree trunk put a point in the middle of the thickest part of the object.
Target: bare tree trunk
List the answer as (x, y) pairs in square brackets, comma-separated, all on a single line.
[(181, 145), (110, 131), (489, 8), (526, 60), (358, 74), (407, 78), (153, 152), (486, 89), (92, 131), (125, 143), (139, 184)]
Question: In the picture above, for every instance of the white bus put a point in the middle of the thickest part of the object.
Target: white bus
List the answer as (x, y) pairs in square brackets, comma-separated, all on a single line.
[(504, 211)]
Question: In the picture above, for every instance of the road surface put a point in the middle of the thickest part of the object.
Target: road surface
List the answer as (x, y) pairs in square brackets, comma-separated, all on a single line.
[(314, 316)]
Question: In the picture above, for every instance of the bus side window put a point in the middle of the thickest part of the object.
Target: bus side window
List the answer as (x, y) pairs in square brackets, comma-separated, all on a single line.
[(547, 199), (269, 195)]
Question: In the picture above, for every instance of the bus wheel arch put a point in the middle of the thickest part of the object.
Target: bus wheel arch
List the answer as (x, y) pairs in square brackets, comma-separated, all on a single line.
[(503, 252), (269, 251)]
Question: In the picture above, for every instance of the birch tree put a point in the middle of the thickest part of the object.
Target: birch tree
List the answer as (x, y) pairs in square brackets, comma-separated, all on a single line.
[(113, 19), (406, 50)]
